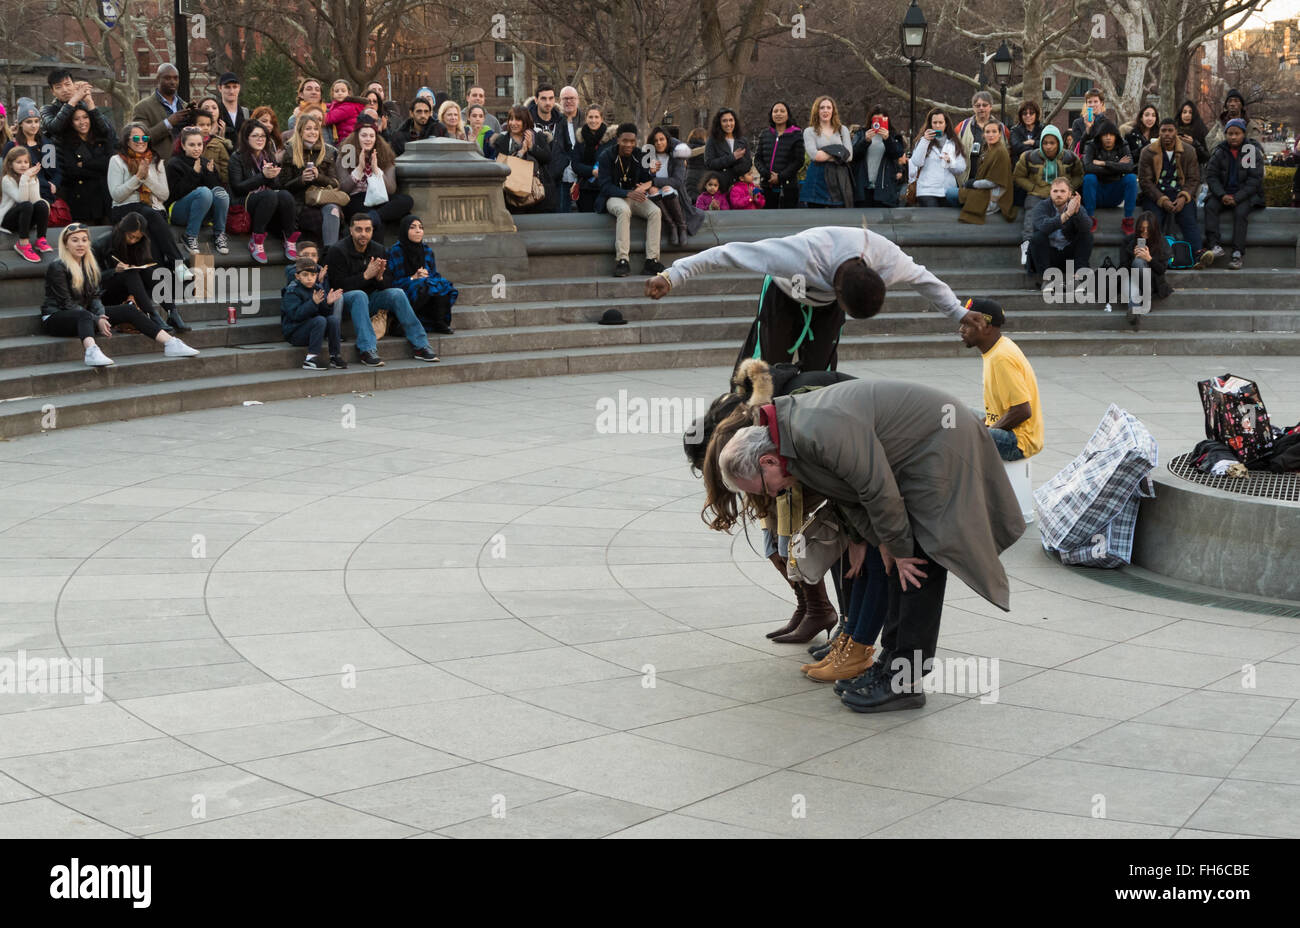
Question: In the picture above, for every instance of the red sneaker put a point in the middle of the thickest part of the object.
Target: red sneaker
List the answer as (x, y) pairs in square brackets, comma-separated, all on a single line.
[(26, 251), (1128, 225), (1094, 223), (43, 245)]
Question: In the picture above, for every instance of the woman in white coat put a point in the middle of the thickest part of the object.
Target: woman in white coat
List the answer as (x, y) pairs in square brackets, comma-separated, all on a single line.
[(936, 160)]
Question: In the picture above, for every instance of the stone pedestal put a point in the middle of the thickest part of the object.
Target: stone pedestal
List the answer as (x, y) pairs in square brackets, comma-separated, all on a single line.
[(1214, 538), (459, 198)]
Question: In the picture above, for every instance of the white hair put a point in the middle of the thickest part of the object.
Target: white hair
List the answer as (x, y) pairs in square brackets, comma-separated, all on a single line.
[(739, 459), (568, 87)]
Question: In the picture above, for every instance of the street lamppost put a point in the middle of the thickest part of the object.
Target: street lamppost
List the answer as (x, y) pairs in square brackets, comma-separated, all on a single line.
[(1002, 68), (912, 34)]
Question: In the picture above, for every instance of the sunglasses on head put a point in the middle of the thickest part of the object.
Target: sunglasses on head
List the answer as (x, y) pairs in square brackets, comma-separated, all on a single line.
[(75, 227), (139, 138)]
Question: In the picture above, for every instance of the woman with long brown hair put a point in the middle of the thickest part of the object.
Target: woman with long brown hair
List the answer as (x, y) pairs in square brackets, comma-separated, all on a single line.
[(754, 386), (829, 179), (367, 170)]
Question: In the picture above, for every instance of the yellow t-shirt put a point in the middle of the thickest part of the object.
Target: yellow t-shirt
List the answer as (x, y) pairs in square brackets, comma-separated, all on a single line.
[(1010, 381)]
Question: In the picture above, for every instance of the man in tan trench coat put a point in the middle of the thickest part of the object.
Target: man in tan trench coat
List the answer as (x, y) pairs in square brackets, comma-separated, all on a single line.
[(915, 472)]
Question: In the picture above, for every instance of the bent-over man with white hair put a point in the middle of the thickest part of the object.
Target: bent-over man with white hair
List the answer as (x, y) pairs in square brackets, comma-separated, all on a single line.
[(916, 473)]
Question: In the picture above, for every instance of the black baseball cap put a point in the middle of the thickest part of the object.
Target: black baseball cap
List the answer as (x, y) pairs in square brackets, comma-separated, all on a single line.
[(991, 311), (227, 78)]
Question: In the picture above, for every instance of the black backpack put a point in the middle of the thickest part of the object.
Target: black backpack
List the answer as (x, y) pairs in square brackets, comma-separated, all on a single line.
[(1181, 257)]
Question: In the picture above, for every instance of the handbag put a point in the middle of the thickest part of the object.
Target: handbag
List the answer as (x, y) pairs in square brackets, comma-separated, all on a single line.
[(379, 322), (376, 192), (574, 192), (324, 196), (60, 214), (1235, 415), (910, 197), (816, 547), (238, 222)]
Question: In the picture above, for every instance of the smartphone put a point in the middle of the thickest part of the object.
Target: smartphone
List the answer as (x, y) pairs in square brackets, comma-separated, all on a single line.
[(1089, 112), (880, 123), (1140, 243), (309, 164)]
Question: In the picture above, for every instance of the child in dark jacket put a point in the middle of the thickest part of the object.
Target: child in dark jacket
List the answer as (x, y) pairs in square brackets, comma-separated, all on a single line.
[(305, 317)]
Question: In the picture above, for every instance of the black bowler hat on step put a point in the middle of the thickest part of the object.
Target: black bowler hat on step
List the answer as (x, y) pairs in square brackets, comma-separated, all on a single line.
[(612, 317)]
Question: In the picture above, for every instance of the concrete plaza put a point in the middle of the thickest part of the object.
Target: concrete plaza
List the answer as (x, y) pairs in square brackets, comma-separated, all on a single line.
[(460, 611)]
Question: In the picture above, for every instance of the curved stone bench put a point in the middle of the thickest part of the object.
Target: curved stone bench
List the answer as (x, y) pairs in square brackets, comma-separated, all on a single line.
[(1201, 534)]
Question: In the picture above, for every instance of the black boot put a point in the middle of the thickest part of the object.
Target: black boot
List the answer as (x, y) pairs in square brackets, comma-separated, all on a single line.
[(676, 221), (177, 323), (159, 321)]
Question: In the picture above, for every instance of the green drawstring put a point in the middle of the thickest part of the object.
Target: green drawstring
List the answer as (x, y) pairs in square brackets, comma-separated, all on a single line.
[(807, 328), (758, 324), (758, 321)]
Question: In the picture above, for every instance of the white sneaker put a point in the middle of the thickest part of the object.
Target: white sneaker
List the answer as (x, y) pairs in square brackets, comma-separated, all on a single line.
[(178, 349), (1218, 251), (183, 273), (96, 358), (1024, 253)]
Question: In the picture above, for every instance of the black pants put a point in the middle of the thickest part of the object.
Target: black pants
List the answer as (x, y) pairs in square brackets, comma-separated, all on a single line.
[(1043, 255), (311, 333), (398, 206), (118, 285), (24, 218), (783, 323), (432, 308), (912, 620), (868, 200), (161, 240), (271, 206), (1240, 218), (782, 196), (80, 323), (931, 201)]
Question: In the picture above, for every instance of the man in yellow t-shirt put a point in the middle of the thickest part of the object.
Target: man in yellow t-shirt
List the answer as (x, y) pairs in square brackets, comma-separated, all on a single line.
[(1011, 408)]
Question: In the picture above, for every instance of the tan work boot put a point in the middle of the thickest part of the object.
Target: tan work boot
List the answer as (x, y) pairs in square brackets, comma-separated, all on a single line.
[(852, 659), (836, 646)]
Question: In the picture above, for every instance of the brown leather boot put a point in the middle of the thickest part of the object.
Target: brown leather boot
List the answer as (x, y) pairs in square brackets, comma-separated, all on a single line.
[(837, 646), (819, 616), (852, 660), (800, 598)]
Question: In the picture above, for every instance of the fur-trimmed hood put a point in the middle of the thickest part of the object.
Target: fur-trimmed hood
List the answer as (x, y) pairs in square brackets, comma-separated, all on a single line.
[(753, 381)]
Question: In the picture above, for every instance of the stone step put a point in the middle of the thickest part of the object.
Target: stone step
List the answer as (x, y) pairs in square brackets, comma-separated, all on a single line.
[(1212, 290), (225, 385), (1027, 313)]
